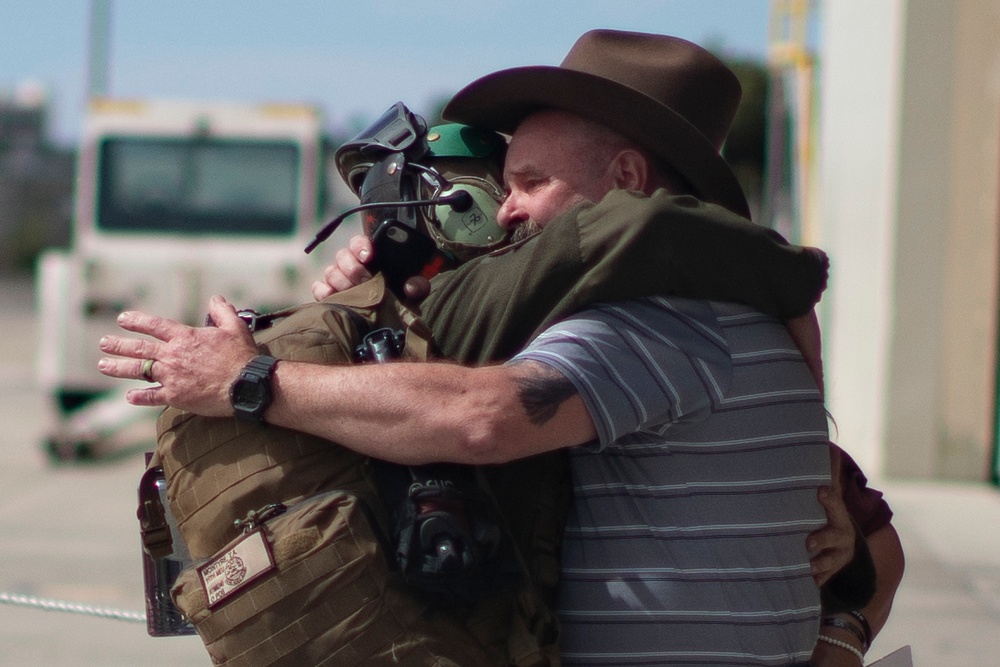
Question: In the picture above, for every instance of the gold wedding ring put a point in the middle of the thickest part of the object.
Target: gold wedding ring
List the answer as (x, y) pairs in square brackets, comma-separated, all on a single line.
[(147, 370)]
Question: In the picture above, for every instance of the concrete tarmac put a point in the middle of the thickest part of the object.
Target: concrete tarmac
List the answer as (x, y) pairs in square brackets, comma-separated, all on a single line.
[(68, 533)]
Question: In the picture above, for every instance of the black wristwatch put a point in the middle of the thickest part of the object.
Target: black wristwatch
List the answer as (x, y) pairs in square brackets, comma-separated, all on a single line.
[(251, 392)]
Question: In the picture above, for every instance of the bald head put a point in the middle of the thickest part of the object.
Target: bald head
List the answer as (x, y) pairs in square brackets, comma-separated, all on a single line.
[(557, 159)]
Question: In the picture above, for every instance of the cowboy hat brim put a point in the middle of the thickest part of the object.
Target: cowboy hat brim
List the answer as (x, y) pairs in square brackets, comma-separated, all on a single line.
[(501, 100)]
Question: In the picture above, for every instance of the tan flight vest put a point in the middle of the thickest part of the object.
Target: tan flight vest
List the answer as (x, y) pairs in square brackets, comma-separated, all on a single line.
[(333, 598)]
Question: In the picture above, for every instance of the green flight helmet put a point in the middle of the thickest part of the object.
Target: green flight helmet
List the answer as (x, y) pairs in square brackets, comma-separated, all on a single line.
[(468, 159)]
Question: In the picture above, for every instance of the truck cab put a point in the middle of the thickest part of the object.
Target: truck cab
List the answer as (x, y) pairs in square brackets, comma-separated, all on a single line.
[(174, 202)]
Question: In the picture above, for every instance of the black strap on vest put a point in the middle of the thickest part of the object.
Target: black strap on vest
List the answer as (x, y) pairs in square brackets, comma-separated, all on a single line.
[(446, 533)]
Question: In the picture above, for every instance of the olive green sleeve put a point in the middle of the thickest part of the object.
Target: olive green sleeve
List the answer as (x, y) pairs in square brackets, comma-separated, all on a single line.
[(626, 246)]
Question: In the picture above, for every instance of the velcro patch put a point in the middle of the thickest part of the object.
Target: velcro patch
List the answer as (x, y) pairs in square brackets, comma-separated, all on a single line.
[(244, 562)]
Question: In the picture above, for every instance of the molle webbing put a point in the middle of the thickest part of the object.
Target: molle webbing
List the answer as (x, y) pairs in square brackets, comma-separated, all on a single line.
[(220, 469)]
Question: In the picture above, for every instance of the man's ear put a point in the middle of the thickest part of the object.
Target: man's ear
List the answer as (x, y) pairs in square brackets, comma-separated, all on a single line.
[(630, 170)]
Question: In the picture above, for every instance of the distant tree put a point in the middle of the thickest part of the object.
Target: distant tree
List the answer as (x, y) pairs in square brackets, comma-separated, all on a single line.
[(36, 186), (746, 146)]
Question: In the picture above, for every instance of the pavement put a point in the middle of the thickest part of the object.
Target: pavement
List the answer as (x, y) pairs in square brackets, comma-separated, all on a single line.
[(68, 534)]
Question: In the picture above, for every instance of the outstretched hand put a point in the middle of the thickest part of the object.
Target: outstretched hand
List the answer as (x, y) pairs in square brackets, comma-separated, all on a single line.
[(192, 367)]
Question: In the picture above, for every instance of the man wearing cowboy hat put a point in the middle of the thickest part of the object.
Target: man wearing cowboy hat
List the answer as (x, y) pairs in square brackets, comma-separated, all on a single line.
[(707, 430), (652, 551)]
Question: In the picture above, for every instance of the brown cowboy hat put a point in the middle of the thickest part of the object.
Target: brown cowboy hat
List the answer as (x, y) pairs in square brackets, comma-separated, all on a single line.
[(672, 97)]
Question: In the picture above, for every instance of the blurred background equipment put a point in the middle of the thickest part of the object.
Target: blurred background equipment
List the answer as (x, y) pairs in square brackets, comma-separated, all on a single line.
[(174, 202), (789, 201)]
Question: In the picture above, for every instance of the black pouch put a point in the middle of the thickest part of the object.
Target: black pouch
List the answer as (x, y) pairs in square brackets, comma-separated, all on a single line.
[(450, 540)]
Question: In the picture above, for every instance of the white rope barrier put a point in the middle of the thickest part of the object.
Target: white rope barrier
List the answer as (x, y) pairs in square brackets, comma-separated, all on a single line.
[(72, 608)]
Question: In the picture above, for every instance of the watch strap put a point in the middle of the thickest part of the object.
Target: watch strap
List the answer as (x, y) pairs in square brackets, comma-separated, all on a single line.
[(258, 370), (261, 366)]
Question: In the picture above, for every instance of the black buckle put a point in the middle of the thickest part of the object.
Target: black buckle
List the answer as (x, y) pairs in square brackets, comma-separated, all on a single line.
[(250, 316), (380, 346)]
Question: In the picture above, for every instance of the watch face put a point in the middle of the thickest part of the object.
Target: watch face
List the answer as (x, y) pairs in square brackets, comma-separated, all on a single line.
[(248, 394)]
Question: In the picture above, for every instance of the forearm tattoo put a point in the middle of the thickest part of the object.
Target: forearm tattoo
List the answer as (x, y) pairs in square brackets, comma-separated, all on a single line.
[(541, 390)]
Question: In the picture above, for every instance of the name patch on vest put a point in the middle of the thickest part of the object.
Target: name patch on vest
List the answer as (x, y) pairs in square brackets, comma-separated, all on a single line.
[(235, 568)]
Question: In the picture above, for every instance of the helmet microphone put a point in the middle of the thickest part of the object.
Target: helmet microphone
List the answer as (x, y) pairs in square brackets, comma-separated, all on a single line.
[(459, 201)]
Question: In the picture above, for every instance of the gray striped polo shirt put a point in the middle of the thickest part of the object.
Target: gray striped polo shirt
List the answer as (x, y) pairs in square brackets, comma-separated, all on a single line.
[(686, 544)]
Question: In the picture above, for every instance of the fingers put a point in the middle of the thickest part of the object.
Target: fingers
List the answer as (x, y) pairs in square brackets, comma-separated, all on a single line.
[(224, 314), (832, 545), (347, 270), (129, 368), (175, 348), (161, 328), (824, 566), (836, 468), (134, 348), (830, 535), (361, 247), (837, 515), (152, 396), (336, 280), (321, 290), (350, 263)]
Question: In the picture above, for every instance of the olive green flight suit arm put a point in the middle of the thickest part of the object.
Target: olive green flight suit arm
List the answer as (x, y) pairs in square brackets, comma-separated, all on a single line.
[(626, 246)]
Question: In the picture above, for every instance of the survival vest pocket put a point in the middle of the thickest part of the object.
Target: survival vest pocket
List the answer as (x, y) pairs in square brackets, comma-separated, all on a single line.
[(309, 585)]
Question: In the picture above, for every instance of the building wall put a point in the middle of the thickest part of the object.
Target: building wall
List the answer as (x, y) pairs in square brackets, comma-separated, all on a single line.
[(857, 137), (916, 338), (969, 324), (908, 186)]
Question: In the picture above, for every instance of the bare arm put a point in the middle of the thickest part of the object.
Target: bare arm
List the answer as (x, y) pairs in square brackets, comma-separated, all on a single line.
[(887, 552), (404, 412), (435, 412)]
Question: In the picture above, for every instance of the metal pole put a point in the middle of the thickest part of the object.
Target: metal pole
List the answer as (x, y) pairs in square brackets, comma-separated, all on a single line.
[(98, 47)]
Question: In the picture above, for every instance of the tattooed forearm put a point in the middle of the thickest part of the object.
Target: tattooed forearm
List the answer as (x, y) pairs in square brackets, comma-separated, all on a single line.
[(541, 390)]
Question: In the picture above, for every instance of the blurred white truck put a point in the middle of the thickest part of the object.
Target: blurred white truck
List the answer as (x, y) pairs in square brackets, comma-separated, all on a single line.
[(174, 202)]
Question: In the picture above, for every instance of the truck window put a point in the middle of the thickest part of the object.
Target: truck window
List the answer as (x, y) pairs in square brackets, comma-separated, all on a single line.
[(197, 186)]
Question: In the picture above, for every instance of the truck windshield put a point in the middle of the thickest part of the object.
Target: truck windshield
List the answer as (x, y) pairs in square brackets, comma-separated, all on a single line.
[(198, 186)]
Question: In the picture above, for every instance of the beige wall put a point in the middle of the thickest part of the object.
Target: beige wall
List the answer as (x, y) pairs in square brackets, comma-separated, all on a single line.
[(970, 307), (909, 171), (856, 137)]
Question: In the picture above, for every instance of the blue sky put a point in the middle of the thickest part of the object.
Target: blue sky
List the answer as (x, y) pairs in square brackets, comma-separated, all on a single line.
[(350, 57)]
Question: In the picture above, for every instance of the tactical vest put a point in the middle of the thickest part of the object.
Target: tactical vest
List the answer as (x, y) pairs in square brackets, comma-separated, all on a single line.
[(333, 578)]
